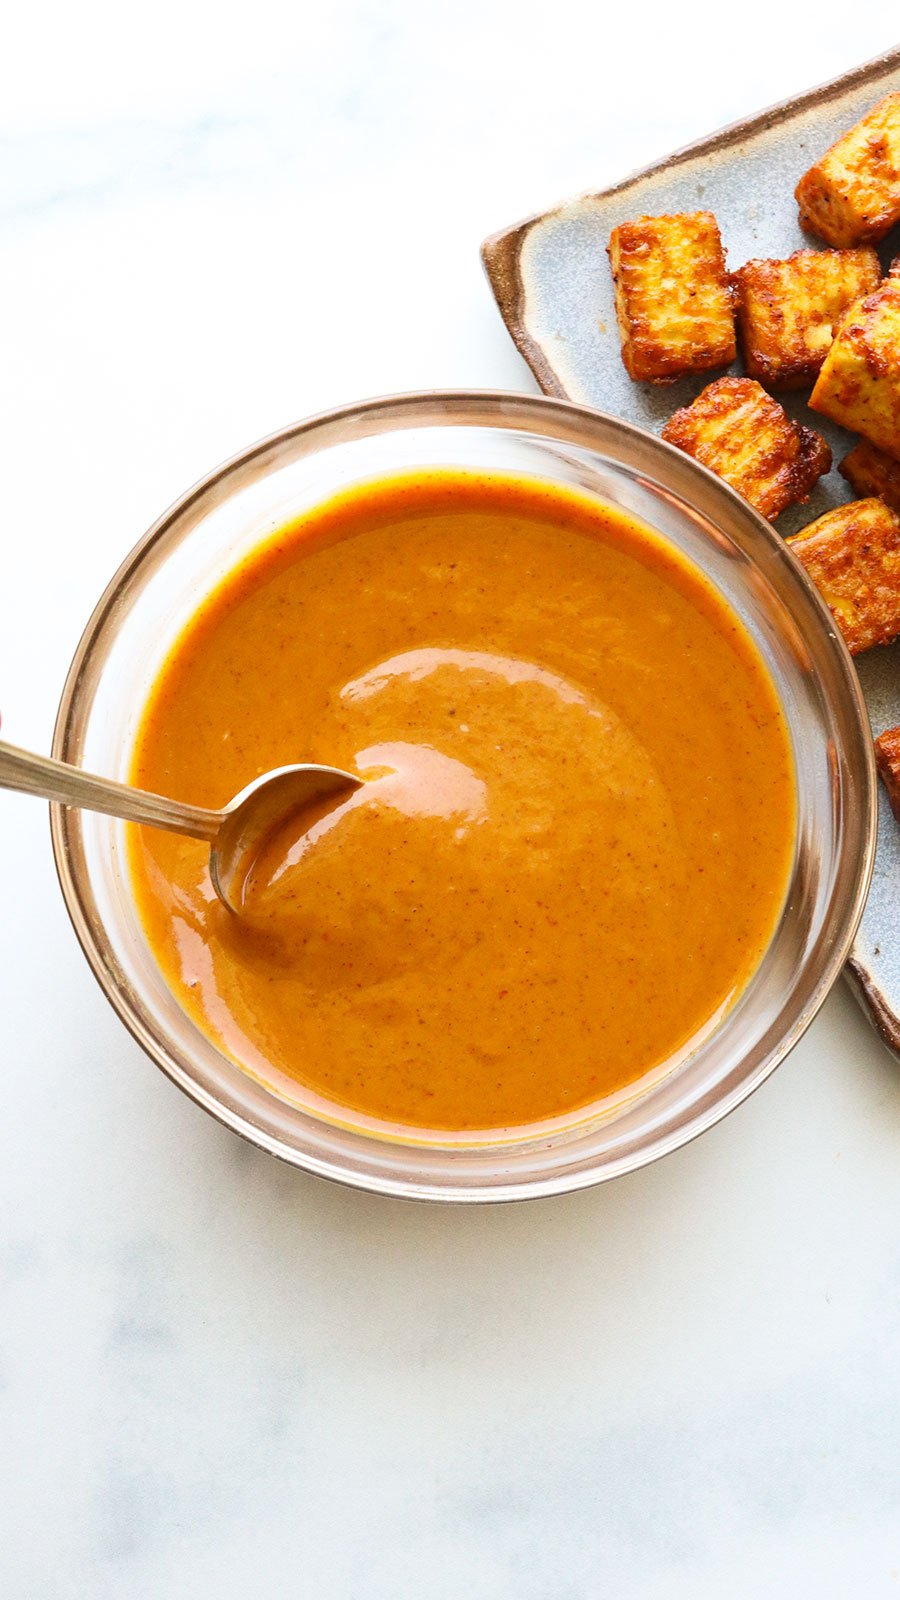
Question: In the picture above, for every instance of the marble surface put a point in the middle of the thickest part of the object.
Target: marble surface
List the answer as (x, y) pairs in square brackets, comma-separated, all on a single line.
[(218, 1376)]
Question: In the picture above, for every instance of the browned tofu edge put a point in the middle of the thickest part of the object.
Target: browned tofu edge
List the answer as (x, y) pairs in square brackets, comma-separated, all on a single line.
[(644, 357), (837, 552), (857, 369), (887, 757), (791, 368), (828, 210), (871, 471), (789, 483)]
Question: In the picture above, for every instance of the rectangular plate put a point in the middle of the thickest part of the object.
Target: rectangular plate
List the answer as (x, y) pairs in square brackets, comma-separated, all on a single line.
[(551, 279)]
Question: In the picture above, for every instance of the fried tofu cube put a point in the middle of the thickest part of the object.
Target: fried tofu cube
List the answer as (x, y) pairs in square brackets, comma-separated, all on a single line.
[(869, 471), (852, 555), (859, 384), (741, 433), (887, 756), (673, 296), (852, 194), (787, 311)]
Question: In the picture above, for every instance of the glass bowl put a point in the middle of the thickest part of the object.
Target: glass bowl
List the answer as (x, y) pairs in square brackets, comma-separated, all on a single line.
[(215, 524)]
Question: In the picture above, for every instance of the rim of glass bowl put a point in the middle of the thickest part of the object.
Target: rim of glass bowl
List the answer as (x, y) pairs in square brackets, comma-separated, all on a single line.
[(538, 1165)]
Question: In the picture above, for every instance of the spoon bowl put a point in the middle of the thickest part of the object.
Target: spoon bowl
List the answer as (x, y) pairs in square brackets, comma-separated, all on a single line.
[(257, 811)]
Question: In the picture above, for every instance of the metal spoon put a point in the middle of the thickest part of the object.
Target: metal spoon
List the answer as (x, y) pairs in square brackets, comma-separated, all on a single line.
[(232, 834)]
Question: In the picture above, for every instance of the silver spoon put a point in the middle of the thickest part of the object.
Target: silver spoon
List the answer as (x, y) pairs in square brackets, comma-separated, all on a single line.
[(232, 834)]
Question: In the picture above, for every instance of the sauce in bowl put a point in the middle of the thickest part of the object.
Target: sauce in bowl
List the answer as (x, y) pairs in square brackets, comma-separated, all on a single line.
[(576, 834)]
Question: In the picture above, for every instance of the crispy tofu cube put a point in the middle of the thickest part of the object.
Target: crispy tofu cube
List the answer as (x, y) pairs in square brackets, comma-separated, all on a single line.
[(859, 384), (887, 755), (673, 296), (852, 194), (787, 311), (852, 555), (869, 471), (741, 433)]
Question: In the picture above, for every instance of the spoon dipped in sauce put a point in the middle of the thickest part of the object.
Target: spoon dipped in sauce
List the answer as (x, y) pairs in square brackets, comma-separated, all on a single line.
[(235, 834)]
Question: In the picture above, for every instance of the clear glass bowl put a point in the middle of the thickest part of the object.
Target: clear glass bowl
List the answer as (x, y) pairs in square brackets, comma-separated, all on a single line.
[(201, 538)]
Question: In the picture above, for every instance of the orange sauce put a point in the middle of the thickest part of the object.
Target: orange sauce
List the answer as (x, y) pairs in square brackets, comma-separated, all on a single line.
[(576, 833)]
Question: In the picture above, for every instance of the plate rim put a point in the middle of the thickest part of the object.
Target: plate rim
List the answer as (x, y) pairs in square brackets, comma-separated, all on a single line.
[(873, 1001)]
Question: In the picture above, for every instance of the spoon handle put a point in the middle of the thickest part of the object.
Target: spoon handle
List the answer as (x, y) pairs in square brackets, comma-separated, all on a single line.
[(56, 780)]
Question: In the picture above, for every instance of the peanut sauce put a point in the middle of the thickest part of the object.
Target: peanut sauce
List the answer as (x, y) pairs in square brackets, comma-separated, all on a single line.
[(576, 834)]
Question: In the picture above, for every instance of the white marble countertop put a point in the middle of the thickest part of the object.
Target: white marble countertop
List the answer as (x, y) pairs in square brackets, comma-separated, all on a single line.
[(219, 1377)]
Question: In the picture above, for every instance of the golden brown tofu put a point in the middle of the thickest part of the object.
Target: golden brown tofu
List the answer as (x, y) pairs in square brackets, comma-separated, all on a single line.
[(673, 296), (741, 433), (852, 555), (787, 311), (870, 471), (859, 384), (852, 194), (887, 755)]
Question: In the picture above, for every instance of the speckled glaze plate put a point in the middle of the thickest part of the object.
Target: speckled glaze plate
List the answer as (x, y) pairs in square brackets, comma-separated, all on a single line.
[(551, 279)]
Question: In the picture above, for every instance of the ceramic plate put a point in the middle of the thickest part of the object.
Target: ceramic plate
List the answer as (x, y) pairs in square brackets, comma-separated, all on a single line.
[(551, 279)]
